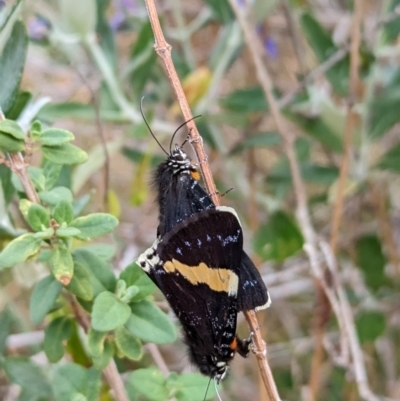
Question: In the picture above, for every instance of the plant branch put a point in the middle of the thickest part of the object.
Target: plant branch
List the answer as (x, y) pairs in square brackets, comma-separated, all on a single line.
[(163, 50)]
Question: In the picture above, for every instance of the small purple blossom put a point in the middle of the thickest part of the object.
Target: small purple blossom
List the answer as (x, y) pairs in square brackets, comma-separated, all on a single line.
[(122, 8), (271, 47), (38, 28)]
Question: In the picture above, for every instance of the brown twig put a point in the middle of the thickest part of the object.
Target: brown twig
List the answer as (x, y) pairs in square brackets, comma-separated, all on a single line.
[(163, 49), (18, 165)]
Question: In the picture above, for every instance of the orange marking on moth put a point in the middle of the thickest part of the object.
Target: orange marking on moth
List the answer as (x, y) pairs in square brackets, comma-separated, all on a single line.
[(218, 279), (195, 175), (233, 344)]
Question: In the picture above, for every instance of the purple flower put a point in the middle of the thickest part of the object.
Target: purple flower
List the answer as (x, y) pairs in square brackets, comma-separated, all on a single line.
[(122, 7), (38, 28), (271, 47)]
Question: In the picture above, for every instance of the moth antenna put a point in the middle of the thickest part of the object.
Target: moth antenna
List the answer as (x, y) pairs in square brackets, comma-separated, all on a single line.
[(208, 386), (216, 390), (148, 126), (176, 131)]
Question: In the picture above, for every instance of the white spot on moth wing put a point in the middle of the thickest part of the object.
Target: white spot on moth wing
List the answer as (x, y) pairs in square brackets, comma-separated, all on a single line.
[(149, 258)]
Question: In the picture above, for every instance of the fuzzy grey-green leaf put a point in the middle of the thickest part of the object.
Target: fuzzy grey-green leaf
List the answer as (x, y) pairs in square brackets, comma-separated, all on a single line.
[(9, 144), (63, 212), (12, 128), (94, 225), (19, 250), (37, 217), (149, 323), (43, 297), (64, 154), (55, 334), (128, 344), (62, 264), (109, 312), (56, 136)]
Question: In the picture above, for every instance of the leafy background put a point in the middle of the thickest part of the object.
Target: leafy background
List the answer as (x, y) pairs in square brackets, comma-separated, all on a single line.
[(85, 72)]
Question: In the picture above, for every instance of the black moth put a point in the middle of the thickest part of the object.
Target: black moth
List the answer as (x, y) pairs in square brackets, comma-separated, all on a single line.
[(198, 262)]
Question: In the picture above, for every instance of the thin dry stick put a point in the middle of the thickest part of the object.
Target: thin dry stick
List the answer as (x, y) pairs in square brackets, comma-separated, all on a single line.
[(323, 312), (163, 49)]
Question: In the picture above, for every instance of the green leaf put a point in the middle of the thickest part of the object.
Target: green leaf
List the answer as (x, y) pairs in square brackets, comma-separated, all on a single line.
[(56, 195), (67, 232), (382, 108), (43, 297), (93, 385), (62, 264), (143, 51), (221, 10), (45, 234), (372, 261), (94, 225), (96, 341), (10, 144), (81, 284), (12, 63), (101, 275), (5, 328), (190, 387), (279, 238), (150, 382), (102, 250), (370, 325), (68, 380), (261, 140), (29, 376), (19, 250), (249, 100), (56, 136), (317, 174), (317, 129), (64, 154), (105, 33), (51, 173), (134, 275), (391, 160), (109, 312), (150, 324), (55, 336), (391, 30), (63, 212), (101, 361), (21, 101), (37, 217), (322, 44), (128, 344), (12, 128)]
